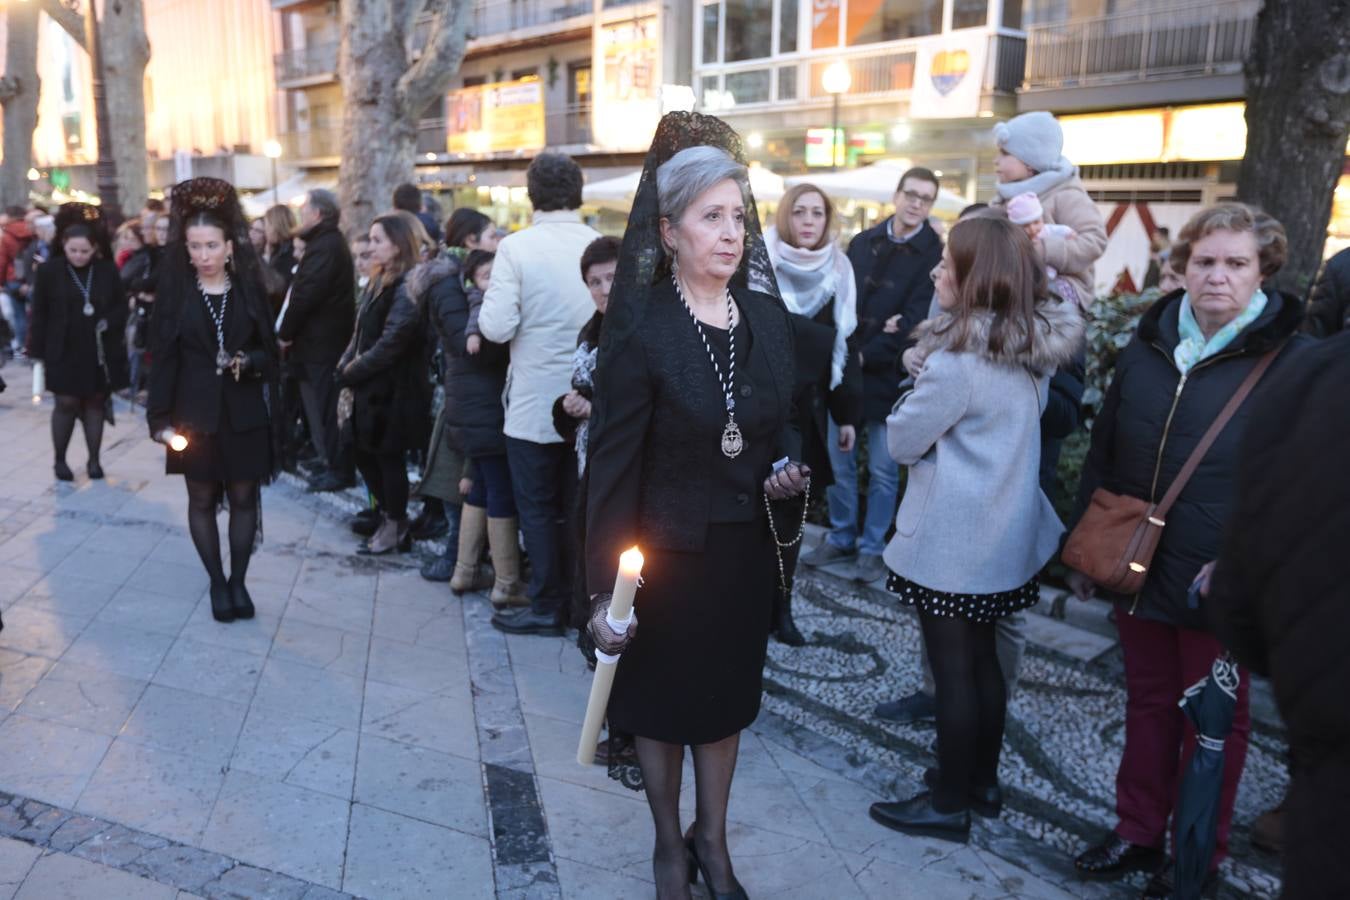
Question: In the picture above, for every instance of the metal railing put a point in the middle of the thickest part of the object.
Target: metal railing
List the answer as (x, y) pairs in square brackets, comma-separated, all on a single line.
[(317, 60), (874, 74), (1195, 39), (313, 144), (569, 125), (494, 17)]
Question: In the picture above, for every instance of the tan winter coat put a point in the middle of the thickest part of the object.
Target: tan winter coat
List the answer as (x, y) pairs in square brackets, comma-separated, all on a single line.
[(1073, 258)]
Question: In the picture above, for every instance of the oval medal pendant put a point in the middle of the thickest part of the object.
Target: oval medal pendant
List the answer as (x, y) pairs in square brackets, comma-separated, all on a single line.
[(732, 443), (222, 360), (88, 308)]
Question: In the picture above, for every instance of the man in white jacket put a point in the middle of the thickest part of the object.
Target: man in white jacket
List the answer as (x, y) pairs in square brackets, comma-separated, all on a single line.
[(538, 303)]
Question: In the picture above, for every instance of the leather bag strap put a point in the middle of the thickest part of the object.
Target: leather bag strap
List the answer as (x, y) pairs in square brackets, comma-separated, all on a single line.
[(1212, 435)]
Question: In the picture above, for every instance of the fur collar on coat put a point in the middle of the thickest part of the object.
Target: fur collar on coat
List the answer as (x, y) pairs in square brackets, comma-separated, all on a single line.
[(1059, 336), (424, 275)]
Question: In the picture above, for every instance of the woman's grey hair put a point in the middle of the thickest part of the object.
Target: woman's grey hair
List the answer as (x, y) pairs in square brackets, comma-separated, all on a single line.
[(684, 177)]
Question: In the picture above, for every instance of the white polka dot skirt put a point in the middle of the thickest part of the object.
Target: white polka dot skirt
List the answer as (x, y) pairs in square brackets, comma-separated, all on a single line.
[(975, 607)]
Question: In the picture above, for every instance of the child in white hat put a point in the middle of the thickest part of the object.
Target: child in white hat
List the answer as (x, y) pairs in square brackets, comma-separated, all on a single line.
[(1025, 210)]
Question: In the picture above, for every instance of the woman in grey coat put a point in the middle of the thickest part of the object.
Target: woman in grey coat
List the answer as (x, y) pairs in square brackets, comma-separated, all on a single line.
[(974, 528)]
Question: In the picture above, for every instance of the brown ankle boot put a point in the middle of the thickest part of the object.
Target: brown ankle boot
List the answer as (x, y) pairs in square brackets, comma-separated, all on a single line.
[(472, 537), (507, 588)]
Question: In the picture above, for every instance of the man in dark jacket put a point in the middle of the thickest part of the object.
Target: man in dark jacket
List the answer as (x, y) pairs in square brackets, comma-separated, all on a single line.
[(892, 263), (1280, 597), (1329, 309), (316, 325)]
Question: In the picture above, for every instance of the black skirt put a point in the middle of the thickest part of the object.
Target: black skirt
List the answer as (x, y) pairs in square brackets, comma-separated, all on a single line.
[(693, 674), (225, 456), (975, 607)]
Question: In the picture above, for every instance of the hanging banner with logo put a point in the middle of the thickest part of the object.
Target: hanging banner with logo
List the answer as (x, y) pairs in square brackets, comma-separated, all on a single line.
[(627, 67), (948, 77), (502, 116)]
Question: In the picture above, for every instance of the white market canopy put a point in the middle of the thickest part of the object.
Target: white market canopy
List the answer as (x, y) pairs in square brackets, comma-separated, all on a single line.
[(875, 183), (619, 192)]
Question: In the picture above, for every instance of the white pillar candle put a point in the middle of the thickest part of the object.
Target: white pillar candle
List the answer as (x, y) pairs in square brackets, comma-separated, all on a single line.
[(39, 381), (619, 618)]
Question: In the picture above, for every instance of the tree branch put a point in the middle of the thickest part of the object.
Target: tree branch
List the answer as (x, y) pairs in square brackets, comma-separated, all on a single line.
[(71, 22), (431, 74)]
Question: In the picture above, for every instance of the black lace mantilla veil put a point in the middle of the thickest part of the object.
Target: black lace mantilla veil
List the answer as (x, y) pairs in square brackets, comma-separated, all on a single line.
[(70, 214), (643, 259), (178, 280), (642, 263)]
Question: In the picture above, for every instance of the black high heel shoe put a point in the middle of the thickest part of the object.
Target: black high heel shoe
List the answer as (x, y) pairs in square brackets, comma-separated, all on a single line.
[(696, 868), (222, 610), (240, 601)]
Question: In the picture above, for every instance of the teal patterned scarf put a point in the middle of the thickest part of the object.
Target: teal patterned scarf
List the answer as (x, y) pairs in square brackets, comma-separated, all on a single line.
[(1193, 347)]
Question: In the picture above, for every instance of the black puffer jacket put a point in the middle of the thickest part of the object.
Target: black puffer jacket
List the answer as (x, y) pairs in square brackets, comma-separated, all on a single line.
[(1329, 309), (473, 383), (384, 367), (892, 279), (1150, 422), (1280, 599)]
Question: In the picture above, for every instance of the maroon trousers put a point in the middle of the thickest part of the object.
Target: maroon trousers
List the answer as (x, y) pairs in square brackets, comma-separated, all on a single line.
[(1161, 661)]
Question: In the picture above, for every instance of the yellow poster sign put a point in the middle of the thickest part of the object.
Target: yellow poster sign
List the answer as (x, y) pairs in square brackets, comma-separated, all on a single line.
[(627, 68), (488, 118)]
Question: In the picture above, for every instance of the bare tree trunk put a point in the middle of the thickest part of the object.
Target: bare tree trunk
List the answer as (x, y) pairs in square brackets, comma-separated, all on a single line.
[(1298, 118), (126, 52), (19, 90), (385, 87)]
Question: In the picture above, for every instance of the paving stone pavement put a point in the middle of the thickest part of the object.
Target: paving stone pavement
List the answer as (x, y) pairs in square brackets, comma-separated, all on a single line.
[(370, 735)]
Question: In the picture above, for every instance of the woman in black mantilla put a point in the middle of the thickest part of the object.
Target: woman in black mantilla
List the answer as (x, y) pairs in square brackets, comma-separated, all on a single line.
[(214, 379), (78, 331), (693, 406)]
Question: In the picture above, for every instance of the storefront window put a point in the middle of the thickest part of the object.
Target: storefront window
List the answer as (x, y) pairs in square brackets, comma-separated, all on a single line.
[(969, 13), (749, 29), (749, 87), (787, 26), (710, 16), (871, 21)]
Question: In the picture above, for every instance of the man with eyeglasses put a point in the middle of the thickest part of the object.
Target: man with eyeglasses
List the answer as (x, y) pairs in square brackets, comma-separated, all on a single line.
[(891, 264)]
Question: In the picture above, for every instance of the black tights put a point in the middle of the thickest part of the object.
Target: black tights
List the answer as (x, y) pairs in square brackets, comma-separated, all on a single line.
[(662, 765), (89, 411), (387, 478), (203, 501), (972, 702)]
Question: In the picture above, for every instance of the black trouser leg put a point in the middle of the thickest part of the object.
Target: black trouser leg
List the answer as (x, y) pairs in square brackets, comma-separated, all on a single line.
[(368, 464)]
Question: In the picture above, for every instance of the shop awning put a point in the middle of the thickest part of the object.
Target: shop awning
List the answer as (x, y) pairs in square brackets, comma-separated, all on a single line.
[(291, 191), (876, 183)]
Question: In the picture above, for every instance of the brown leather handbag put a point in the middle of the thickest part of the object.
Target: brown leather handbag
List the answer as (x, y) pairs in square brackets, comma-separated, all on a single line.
[(1114, 541)]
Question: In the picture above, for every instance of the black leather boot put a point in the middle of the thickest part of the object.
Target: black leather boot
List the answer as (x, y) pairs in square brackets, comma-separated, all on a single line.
[(986, 802)]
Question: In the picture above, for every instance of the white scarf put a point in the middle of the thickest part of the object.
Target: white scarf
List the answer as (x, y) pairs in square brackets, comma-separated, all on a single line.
[(807, 280), (1039, 183)]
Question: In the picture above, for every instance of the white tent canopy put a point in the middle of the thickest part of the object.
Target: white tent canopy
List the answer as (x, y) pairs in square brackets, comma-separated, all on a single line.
[(876, 183), (619, 192), (291, 192)]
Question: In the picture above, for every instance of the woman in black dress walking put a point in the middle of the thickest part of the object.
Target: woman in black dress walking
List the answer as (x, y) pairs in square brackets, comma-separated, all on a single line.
[(693, 407), (78, 331), (213, 380)]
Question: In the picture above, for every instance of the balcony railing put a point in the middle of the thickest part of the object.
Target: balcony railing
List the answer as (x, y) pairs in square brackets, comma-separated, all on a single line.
[(316, 143), (315, 61), (569, 125), (1199, 39), (495, 17)]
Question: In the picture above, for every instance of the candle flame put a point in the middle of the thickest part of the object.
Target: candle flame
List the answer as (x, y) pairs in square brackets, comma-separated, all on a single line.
[(178, 442), (630, 562)]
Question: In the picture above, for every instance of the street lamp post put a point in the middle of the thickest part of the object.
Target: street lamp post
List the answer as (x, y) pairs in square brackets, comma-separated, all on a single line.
[(836, 80), (272, 150), (106, 168)]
